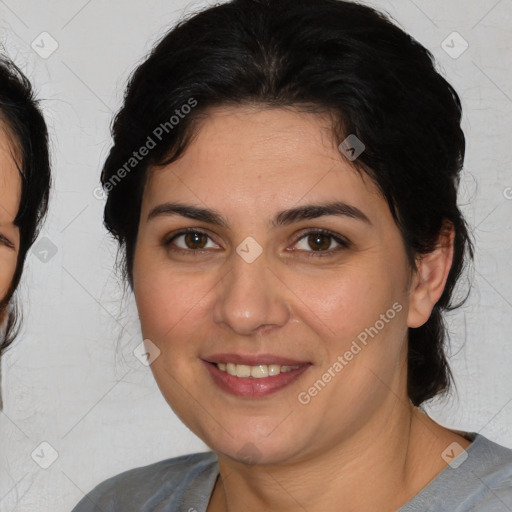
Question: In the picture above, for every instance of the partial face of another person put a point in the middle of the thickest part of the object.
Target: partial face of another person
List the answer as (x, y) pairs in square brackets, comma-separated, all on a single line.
[(10, 194), (257, 291)]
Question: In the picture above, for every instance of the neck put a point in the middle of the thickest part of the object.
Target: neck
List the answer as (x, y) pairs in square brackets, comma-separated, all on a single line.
[(377, 468)]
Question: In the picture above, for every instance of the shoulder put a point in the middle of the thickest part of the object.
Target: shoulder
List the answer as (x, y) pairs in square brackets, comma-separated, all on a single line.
[(478, 479), (142, 488), (492, 478)]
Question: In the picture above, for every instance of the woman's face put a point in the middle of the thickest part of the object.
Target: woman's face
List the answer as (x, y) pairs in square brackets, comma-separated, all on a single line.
[(10, 193), (257, 287)]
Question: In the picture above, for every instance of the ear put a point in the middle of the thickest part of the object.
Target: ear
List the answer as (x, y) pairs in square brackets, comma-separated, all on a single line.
[(428, 282)]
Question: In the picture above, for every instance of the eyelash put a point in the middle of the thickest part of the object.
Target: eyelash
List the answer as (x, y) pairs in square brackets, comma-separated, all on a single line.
[(343, 243), (6, 241)]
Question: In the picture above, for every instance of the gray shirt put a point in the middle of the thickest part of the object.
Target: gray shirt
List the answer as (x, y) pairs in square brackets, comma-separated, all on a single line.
[(477, 480)]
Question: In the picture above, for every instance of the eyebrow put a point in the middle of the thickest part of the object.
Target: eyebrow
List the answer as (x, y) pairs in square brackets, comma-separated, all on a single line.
[(283, 218)]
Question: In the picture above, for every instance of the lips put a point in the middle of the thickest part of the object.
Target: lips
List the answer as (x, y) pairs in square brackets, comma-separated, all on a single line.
[(253, 376)]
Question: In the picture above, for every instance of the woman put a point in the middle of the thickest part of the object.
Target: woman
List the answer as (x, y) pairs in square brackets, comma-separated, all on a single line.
[(25, 185), (283, 184)]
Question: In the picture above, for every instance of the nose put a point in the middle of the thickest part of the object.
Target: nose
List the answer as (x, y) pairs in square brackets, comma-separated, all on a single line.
[(251, 298)]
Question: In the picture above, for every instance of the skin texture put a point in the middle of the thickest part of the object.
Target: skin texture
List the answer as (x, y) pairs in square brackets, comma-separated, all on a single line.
[(359, 439), (10, 194)]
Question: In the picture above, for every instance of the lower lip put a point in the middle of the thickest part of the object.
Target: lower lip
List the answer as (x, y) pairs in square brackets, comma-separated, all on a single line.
[(250, 387)]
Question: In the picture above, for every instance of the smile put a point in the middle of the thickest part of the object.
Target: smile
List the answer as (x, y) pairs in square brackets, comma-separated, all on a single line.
[(259, 371), (253, 376)]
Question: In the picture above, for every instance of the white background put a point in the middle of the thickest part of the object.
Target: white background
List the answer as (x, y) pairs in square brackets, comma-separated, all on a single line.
[(71, 379)]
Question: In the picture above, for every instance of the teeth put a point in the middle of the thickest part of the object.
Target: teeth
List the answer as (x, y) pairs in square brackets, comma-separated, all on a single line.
[(259, 371), (242, 370), (274, 369)]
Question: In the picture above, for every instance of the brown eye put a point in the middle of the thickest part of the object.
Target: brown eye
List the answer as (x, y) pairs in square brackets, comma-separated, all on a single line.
[(190, 240), (320, 242), (195, 240)]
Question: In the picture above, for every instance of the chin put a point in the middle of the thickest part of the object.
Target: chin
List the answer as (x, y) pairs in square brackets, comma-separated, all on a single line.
[(256, 448)]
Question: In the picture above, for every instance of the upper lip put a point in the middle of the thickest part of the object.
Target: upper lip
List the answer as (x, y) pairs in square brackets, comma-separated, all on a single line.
[(253, 359)]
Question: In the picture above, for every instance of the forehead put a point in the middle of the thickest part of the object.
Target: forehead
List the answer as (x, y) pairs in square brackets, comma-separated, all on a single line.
[(10, 180), (250, 165), (262, 157), (243, 138)]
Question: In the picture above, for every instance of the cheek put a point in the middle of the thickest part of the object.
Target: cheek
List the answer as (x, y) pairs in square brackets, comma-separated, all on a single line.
[(169, 302), (347, 300), (7, 269), (358, 311)]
